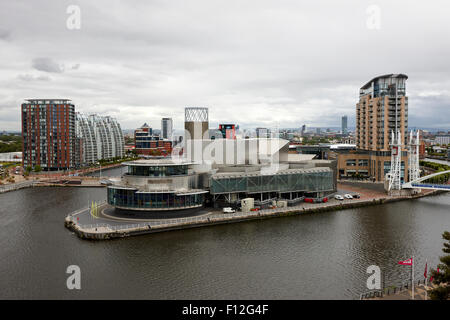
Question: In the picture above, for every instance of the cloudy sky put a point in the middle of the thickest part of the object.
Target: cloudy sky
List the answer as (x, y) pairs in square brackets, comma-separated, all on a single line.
[(252, 62)]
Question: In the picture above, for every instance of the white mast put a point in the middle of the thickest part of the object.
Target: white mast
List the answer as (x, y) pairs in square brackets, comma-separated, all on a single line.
[(413, 157), (396, 154)]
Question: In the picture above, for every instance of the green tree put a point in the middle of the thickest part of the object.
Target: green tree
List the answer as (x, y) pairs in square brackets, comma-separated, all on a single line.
[(28, 169), (37, 168), (443, 277)]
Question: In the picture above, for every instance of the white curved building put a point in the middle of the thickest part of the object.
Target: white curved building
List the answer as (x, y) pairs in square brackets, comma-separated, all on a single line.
[(101, 138)]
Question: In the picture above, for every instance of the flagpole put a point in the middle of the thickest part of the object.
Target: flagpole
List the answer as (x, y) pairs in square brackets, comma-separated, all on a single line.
[(426, 279), (412, 292)]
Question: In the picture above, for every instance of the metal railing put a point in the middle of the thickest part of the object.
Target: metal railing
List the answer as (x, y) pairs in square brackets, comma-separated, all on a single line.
[(16, 186), (405, 285), (173, 222)]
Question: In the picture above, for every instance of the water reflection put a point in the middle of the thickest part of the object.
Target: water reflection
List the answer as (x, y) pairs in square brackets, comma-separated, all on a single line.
[(313, 256)]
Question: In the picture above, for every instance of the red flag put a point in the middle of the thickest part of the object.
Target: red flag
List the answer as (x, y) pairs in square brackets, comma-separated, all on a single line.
[(407, 262), (425, 273)]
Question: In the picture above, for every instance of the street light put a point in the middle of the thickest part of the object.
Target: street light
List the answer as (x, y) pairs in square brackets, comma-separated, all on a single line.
[(100, 169)]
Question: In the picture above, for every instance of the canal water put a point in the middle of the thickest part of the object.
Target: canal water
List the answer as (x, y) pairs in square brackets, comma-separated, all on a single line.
[(313, 256)]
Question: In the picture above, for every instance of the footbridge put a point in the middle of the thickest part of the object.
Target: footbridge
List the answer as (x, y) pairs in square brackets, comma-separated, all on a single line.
[(419, 184)]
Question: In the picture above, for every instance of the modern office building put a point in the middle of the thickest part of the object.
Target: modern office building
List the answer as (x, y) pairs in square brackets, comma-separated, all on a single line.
[(100, 137), (382, 109), (166, 128), (196, 123), (48, 133), (149, 144), (228, 131), (344, 129)]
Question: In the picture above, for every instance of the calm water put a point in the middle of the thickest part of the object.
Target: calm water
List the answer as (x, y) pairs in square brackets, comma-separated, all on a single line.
[(321, 256)]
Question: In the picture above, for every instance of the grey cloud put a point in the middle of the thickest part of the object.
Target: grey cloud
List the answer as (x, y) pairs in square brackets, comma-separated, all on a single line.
[(47, 65), (5, 34), (257, 62), (30, 77)]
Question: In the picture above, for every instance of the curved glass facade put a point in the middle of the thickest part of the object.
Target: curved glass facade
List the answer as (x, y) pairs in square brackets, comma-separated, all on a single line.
[(305, 181), (158, 171), (134, 199)]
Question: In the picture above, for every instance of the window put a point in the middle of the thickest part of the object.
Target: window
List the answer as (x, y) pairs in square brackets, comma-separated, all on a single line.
[(363, 162)]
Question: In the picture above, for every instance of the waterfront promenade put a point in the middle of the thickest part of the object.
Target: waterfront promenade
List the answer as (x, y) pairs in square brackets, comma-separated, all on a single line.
[(106, 225), (72, 178)]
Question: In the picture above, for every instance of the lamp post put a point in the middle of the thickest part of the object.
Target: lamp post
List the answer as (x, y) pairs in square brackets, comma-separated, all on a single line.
[(100, 169)]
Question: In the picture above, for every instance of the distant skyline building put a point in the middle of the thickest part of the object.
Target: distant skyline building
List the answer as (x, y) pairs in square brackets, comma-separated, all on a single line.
[(166, 128), (442, 139), (344, 128), (228, 131), (48, 133), (101, 138), (303, 130), (147, 143), (262, 133)]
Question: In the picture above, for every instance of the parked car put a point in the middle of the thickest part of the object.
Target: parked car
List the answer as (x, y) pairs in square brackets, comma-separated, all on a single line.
[(356, 196), (348, 196), (106, 182), (310, 200), (320, 200), (228, 210), (339, 197)]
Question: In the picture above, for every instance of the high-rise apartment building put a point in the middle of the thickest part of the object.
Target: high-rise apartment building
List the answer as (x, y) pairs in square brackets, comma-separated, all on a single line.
[(381, 110), (344, 129), (48, 132), (166, 128), (100, 137)]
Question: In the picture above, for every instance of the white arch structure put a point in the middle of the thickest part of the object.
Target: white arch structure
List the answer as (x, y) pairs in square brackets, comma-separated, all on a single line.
[(433, 186)]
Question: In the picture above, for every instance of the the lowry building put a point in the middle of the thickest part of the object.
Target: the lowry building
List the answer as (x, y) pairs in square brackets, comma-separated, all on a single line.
[(221, 172)]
